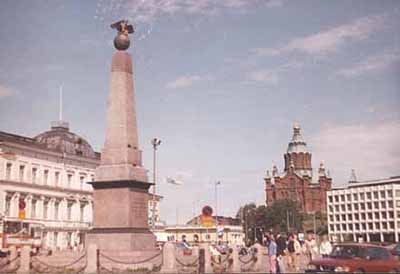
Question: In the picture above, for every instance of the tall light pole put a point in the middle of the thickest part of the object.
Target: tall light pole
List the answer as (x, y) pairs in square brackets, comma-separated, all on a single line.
[(216, 210), (155, 142)]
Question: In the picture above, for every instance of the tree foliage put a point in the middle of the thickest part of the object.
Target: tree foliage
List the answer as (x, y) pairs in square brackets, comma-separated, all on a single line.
[(281, 216)]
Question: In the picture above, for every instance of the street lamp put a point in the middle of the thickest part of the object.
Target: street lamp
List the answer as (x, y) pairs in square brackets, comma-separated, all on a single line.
[(155, 142)]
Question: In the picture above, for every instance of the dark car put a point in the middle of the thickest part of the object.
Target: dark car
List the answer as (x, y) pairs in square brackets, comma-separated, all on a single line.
[(356, 258), (3, 254)]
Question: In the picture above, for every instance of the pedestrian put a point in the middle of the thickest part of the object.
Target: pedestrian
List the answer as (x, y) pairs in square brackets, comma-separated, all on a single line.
[(281, 249), (311, 248), (294, 249), (325, 248), (272, 252)]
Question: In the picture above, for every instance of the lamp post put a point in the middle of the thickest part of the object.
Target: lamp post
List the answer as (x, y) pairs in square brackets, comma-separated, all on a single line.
[(216, 210), (155, 142)]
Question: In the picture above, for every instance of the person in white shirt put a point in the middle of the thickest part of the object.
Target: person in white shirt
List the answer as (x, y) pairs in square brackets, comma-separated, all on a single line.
[(325, 248)]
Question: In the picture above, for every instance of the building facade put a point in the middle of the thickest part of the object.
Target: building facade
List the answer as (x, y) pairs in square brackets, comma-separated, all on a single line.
[(44, 195), (297, 181), (365, 211)]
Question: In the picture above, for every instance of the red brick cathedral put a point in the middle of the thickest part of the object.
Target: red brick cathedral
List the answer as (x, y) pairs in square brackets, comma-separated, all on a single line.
[(297, 182)]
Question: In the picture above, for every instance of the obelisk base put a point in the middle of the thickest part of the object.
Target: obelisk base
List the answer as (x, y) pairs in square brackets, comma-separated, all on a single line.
[(122, 239), (120, 220)]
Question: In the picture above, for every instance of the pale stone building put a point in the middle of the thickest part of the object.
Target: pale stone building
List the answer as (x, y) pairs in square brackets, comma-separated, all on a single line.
[(43, 187)]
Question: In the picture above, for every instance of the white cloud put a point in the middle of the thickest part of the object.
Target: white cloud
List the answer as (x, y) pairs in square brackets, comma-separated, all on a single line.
[(371, 149), (148, 10), (183, 82), (271, 76), (6, 92), (264, 76), (330, 40), (371, 64)]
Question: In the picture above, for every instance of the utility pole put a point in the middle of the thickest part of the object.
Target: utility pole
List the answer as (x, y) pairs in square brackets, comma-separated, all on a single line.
[(216, 210), (155, 142)]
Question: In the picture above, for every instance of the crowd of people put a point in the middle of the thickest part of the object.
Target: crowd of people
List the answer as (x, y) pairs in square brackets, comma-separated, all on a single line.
[(285, 253)]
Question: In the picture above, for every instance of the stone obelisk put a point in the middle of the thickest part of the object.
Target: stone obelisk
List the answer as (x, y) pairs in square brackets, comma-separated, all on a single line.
[(120, 197)]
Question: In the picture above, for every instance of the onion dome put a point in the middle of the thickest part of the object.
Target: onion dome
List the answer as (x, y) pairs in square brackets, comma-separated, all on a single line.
[(60, 139)]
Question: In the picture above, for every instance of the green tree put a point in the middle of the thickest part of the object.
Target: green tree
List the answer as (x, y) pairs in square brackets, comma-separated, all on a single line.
[(281, 216)]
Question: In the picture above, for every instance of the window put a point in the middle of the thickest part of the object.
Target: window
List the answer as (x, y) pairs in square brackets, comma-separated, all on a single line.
[(56, 209), (82, 181), (362, 216), (343, 227), (390, 204), (57, 178), (376, 205), (375, 194), (343, 217), (384, 225), (349, 207), (364, 226), (369, 205), (8, 171), (337, 227), (336, 208), (370, 216), (342, 198), (375, 253), (369, 195), (337, 218), (357, 226), (349, 217), (383, 204), (350, 226), (383, 196), (33, 208), (69, 180), (362, 206), (45, 209), (330, 199), (397, 192), (45, 177), (376, 215), (384, 215), (342, 207), (337, 197), (355, 197), (356, 206), (8, 205), (69, 211), (348, 197), (331, 227), (356, 216), (391, 225), (82, 213), (34, 175), (390, 193), (330, 208), (331, 218), (21, 173), (362, 196), (370, 226)]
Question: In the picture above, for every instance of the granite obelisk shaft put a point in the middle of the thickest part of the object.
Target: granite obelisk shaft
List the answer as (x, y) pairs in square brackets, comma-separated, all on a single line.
[(121, 158)]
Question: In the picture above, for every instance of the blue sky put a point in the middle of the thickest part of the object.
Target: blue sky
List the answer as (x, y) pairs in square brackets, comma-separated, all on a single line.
[(220, 82)]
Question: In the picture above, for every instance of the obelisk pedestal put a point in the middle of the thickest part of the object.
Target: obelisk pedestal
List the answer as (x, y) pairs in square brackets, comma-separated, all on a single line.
[(120, 197)]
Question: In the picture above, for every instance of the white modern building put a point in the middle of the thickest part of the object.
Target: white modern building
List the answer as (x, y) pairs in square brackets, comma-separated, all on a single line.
[(365, 211), (44, 195)]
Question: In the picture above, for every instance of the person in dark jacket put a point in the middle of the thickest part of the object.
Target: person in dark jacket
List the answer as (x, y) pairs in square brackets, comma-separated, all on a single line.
[(281, 247)]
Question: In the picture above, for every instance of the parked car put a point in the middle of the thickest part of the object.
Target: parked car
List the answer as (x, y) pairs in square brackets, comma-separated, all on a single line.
[(356, 258), (3, 254)]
